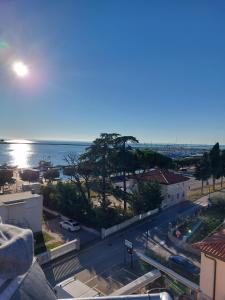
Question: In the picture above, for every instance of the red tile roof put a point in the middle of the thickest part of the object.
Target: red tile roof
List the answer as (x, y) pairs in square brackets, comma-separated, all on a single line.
[(213, 245), (163, 176)]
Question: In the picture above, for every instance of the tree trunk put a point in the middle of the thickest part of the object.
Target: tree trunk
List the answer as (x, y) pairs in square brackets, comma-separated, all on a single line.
[(202, 186), (214, 182), (125, 191), (221, 182), (124, 179), (103, 183), (79, 185), (88, 190)]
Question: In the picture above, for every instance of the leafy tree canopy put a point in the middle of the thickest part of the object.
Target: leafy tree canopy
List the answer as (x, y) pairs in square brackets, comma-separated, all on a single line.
[(147, 197), (51, 174)]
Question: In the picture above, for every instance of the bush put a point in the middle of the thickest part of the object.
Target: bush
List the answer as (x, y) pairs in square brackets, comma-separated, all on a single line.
[(147, 197), (218, 201), (66, 199), (105, 218)]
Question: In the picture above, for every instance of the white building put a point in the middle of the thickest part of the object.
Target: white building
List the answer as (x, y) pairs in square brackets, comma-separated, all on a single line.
[(212, 274), (22, 209), (174, 186)]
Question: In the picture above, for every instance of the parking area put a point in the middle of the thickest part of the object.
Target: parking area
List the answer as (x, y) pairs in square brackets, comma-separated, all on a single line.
[(52, 225)]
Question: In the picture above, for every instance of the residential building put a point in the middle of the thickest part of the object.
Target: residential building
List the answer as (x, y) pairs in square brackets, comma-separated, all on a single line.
[(212, 266), (174, 186), (22, 209)]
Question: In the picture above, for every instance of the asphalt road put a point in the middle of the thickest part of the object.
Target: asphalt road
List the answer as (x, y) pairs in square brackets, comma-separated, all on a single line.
[(104, 255)]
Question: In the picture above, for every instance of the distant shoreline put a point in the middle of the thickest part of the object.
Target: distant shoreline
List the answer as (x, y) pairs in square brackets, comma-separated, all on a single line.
[(88, 143), (45, 143)]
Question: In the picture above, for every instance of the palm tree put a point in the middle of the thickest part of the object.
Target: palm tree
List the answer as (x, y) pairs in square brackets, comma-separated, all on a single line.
[(123, 155)]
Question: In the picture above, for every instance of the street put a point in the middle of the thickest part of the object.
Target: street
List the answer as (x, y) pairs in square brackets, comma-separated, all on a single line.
[(101, 257)]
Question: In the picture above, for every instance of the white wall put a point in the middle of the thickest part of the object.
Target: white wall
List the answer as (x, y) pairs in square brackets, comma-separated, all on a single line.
[(127, 223), (174, 193), (52, 254), (26, 211)]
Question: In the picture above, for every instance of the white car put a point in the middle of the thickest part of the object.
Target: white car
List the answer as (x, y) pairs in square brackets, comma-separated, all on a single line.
[(70, 225)]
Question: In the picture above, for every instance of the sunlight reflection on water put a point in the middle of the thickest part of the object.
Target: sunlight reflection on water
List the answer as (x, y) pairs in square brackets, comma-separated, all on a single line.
[(20, 155)]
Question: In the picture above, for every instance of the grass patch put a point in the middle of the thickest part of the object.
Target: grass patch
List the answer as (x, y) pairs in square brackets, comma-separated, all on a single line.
[(44, 242), (42, 237), (54, 245), (196, 193)]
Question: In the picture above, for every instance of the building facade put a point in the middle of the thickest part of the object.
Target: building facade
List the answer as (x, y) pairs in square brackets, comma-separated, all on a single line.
[(22, 209), (174, 186), (212, 276)]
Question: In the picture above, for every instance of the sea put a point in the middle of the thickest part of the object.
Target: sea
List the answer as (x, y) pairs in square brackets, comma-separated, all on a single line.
[(28, 153)]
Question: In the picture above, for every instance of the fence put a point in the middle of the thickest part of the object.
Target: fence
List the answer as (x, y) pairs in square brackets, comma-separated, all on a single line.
[(127, 223), (47, 256)]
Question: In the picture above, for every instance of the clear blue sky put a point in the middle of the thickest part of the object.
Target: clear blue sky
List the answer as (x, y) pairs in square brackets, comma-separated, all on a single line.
[(152, 69)]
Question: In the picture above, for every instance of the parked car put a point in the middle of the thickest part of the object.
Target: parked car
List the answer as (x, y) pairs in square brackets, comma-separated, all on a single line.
[(185, 264), (70, 225)]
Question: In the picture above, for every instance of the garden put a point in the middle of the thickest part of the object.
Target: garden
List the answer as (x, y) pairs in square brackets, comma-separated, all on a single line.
[(208, 220)]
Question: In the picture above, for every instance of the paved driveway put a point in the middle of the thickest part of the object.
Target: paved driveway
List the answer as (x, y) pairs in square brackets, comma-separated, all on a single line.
[(84, 235)]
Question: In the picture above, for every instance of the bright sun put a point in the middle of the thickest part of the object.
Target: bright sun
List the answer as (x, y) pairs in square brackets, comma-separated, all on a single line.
[(20, 69)]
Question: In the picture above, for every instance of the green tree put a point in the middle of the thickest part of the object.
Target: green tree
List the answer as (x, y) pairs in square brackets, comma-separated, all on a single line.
[(123, 156), (147, 197), (72, 170), (202, 169), (6, 176), (66, 198), (29, 175), (222, 166), (99, 154), (51, 174), (215, 163), (148, 159), (86, 170)]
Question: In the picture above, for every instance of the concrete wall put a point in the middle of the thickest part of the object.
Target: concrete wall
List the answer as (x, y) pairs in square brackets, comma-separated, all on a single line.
[(118, 227), (26, 212), (47, 256), (207, 278)]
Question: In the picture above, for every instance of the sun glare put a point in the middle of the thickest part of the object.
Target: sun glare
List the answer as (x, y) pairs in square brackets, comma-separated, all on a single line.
[(20, 69)]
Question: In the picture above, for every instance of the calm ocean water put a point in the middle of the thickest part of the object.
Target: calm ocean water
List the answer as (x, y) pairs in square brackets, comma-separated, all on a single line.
[(28, 154)]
